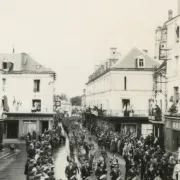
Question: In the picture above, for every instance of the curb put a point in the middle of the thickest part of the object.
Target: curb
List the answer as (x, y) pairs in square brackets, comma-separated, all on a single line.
[(5, 155)]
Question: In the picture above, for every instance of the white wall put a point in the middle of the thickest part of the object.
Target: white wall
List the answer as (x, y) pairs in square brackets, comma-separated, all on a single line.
[(139, 90), (173, 65), (21, 87)]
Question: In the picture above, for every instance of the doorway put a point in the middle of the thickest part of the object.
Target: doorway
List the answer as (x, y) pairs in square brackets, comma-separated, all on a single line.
[(12, 129), (176, 140), (45, 126), (125, 102)]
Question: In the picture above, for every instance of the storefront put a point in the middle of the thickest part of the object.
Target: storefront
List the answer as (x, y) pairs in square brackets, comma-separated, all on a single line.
[(172, 133), (137, 125), (17, 125)]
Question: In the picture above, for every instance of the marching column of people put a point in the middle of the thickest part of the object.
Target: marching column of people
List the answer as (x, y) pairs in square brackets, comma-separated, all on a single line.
[(90, 163), (144, 158)]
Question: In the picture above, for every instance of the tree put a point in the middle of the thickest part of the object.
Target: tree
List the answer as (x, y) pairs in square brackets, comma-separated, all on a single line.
[(76, 101), (63, 97)]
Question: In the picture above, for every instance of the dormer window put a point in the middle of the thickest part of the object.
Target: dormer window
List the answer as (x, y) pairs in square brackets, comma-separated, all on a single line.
[(141, 63), (4, 65)]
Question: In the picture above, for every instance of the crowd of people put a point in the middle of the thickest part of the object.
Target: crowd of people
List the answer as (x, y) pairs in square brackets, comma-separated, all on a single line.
[(145, 159), (40, 164), (93, 161)]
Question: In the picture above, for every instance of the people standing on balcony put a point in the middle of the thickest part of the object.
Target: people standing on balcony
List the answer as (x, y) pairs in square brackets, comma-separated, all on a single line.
[(125, 110), (128, 110), (157, 113), (153, 107)]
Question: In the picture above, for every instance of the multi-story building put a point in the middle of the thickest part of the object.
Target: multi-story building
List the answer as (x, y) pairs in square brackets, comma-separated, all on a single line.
[(125, 82), (27, 88), (169, 50), (119, 84)]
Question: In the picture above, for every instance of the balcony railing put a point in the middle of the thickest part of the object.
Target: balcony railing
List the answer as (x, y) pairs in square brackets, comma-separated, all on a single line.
[(121, 113)]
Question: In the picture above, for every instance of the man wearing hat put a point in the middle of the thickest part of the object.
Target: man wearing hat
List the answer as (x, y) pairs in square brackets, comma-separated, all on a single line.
[(101, 172), (115, 173), (70, 171), (86, 171)]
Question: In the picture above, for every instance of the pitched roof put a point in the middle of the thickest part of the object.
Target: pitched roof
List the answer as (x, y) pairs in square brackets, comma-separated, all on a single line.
[(33, 66), (24, 63), (128, 60)]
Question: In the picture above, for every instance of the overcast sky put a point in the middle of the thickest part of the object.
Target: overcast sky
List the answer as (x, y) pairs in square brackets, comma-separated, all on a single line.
[(71, 36)]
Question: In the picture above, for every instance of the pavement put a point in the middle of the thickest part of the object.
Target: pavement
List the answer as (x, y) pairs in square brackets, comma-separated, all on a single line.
[(12, 166), (4, 153)]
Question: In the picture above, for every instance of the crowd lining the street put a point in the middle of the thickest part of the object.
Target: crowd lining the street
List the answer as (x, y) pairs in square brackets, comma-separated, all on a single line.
[(145, 159), (40, 163)]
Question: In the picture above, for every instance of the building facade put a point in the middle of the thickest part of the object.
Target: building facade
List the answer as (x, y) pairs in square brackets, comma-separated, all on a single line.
[(29, 89), (169, 51), (125, 84), (118, 86)]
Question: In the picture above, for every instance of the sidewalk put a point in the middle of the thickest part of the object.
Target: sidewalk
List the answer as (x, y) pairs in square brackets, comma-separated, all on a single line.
[(4, 153), (12, 168)]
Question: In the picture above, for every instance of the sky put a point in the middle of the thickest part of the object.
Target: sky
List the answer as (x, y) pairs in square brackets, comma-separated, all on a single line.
[(71, 36)]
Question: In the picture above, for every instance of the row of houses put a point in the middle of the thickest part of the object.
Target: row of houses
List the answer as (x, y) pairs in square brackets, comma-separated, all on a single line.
[(126, 88), (26, 92)]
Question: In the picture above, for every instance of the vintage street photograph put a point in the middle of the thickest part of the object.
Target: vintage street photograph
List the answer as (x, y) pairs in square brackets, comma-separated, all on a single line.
[(89, 89)]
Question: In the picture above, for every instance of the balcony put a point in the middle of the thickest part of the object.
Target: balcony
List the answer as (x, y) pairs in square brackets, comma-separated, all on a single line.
[(121, 113), (155, 114), (117, 113)]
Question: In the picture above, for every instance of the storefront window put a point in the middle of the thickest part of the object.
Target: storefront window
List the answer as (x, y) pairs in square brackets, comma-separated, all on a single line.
[(174, 125), (177, 125), (167, 124)]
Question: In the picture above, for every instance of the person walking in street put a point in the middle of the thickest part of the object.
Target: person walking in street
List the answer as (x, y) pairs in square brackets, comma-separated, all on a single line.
[(71, 171), (86, 171)]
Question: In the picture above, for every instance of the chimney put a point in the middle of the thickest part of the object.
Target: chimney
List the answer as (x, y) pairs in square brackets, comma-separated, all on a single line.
[(146, 51), (170, 14)]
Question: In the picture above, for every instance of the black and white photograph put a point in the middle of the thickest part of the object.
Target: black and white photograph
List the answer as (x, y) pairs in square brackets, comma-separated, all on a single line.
[(89, 89)]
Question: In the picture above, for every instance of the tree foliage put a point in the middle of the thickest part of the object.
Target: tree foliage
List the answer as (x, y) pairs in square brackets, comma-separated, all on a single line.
[(63, 97), (76, 101)]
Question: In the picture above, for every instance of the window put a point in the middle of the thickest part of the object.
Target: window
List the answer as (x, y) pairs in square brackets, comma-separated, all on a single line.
[(36, 85), (176, 94), (125, 83), (4, 84), (141, 62), (36, 105), (177, 33), (4, 81), (5, 66)]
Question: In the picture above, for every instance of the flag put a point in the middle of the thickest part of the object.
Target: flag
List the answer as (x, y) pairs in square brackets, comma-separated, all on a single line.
[(14, 101)]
